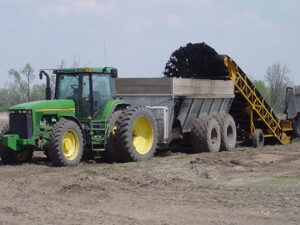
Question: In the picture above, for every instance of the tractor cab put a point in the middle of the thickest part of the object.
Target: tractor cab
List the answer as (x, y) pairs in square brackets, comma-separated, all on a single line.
[(90, 88)]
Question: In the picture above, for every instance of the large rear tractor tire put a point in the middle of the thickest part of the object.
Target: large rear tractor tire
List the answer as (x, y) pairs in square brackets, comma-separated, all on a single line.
[(205, 134), (112, 153), (136, 134), (258, 139), (228, 131), (66, 143), (9, 156)]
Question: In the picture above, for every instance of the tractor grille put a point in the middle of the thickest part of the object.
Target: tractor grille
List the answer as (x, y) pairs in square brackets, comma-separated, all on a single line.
[(21, 124)]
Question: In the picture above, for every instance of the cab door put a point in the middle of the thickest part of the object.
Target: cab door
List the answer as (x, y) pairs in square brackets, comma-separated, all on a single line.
[(102, 92)]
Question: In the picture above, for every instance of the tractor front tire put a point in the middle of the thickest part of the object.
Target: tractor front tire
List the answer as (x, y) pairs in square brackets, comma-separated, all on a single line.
[(136, 134), (228, 131), (65, 143), (112, 153), (205, 134)]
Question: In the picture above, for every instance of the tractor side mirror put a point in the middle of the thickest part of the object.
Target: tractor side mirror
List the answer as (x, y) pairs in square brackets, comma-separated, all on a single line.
[(114, 73)]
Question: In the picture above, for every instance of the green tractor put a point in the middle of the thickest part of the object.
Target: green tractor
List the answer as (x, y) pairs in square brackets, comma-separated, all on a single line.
[(84, 118)]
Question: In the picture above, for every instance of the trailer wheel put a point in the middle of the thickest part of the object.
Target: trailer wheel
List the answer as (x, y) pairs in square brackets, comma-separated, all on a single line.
[(136, 134), (66, 143), (296, 128), (258, 139), (9, 156), (205, 134), (112, 153), (228, 131)]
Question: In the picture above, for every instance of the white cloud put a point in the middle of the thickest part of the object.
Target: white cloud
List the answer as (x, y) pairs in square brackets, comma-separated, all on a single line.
[(268, 26), (77, 7), (196, 3), (264, 25), (174, 20)]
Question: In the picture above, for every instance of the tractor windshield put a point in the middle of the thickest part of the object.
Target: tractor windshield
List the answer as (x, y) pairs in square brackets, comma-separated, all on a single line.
[(77, 86)]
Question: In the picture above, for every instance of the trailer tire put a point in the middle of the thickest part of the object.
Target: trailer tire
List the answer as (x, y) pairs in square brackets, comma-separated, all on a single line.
[(112, 153), (65, 143), (136, 134), (9, 156), (227, 130), (205, 134), (258, 139), (296, 128)]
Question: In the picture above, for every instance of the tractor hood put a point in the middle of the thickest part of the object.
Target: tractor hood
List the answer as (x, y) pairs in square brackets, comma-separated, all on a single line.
[(53, 105)]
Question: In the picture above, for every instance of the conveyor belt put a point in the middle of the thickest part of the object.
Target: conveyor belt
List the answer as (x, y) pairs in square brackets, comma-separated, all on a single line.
[(249, 101)]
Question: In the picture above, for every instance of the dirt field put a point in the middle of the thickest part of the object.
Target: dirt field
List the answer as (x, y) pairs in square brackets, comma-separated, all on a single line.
[(246, 186)]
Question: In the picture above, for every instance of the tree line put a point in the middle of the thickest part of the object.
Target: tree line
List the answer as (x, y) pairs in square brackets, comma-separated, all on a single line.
[(273, 87), (22, 89)]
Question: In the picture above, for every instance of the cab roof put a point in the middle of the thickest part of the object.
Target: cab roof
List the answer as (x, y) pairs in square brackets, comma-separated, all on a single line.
[(84, 69)]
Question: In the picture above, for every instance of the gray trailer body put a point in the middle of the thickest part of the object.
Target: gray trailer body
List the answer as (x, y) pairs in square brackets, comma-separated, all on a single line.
[(292, 103), (176, 102)]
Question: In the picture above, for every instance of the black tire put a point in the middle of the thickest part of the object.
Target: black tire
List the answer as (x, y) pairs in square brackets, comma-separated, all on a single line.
[(296, 128), (69, 153), (228, 131), (112, 152), (9, 156), (205, 134), (258, 139), (134, 124)]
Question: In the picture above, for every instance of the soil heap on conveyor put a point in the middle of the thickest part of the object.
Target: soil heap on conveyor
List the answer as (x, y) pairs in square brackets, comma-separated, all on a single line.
[(198, 61)]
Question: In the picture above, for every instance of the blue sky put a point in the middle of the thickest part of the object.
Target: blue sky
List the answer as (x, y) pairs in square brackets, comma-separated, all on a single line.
[(140, 35)]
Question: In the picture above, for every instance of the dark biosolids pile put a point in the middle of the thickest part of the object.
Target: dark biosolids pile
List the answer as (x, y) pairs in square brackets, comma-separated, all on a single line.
[(195, 61)]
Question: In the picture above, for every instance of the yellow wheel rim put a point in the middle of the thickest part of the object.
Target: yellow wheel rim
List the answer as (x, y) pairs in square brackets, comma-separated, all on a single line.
[(70, 144), (142, 135)]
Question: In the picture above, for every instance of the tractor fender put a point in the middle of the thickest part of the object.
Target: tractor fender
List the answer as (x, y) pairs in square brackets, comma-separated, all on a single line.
[(118, 106), (69, 117)]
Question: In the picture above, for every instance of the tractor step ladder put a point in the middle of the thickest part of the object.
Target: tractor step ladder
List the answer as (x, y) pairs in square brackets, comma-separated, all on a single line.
[(256, 102), (98, 135)]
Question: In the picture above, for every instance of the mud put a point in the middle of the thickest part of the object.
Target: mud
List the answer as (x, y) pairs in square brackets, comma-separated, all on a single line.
[(245, 186)]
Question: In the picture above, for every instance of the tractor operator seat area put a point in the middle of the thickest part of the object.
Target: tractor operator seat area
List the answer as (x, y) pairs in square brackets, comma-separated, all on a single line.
[(90, 91)]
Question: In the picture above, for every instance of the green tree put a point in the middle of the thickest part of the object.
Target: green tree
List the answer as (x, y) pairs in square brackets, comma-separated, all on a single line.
[(278, 81), (38, 92), (263, 89), (28, 72), (22, 86), (19, 85)]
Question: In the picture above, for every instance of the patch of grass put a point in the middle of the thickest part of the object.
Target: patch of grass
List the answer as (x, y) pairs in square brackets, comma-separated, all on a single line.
[(113, 166), (290, 182), (91, 171), (179, 157), (206, 182)]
